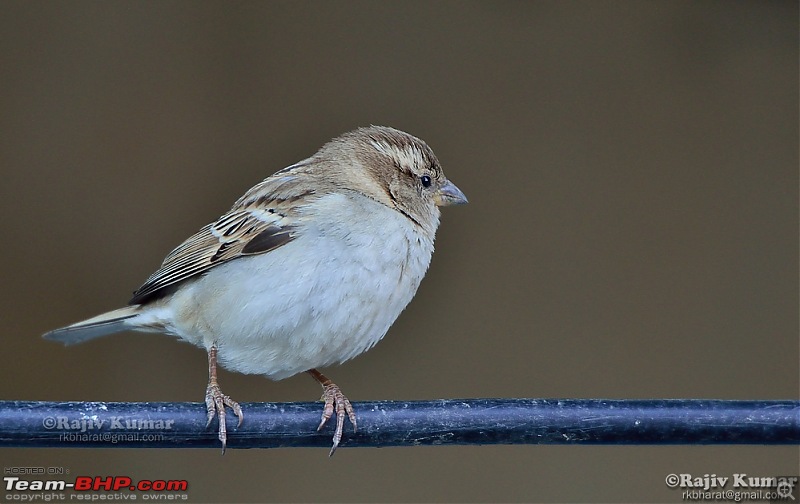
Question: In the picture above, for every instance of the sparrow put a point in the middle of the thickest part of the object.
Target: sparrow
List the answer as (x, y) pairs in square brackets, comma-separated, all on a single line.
[(308, 269)]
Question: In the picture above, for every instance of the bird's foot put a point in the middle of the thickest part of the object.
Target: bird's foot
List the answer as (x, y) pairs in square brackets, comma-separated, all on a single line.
[(216, 400), (336, 401), (215, 405)]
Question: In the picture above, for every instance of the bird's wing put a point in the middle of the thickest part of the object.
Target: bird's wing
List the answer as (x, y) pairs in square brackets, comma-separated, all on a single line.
[(259, 222)]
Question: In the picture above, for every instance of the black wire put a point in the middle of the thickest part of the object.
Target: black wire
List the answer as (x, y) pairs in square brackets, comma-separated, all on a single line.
[(396, 423)]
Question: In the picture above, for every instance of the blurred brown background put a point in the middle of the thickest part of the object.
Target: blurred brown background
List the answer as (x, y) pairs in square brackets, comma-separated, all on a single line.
[(632, 232)]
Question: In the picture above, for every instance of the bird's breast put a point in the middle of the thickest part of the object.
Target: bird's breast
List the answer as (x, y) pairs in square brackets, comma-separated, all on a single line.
[(325, 297)]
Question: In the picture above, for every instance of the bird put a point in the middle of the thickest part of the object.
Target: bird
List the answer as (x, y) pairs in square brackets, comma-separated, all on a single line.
[(308, 269)]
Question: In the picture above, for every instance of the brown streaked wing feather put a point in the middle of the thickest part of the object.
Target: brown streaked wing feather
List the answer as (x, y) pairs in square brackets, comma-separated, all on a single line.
[(204, 250), (269, 239), (258, 223)]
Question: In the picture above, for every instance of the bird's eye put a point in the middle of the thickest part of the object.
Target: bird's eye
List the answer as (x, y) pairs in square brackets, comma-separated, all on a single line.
[(426, 181)]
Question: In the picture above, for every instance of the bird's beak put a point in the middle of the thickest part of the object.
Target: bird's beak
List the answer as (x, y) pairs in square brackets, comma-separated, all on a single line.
[(449, 194)]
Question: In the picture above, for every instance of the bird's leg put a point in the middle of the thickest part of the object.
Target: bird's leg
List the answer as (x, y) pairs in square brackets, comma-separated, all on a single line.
[(216, 400), (334, 398)]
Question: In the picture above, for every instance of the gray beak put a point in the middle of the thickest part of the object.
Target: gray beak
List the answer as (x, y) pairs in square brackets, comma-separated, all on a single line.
[(449, 194)]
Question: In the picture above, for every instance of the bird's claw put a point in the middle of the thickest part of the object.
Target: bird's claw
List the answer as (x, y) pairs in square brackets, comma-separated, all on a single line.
[(215, 406), (336, 401)]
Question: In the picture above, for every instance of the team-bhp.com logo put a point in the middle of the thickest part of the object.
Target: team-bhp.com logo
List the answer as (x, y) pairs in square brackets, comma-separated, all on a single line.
[(96, 484), (742, 487)]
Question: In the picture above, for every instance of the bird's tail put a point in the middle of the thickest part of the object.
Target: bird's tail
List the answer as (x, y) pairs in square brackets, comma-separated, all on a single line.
[(95, 327)]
